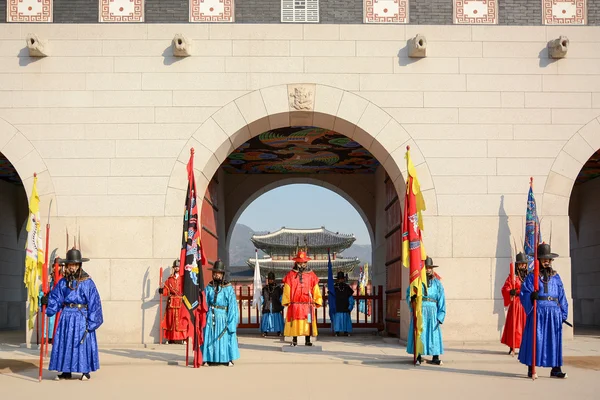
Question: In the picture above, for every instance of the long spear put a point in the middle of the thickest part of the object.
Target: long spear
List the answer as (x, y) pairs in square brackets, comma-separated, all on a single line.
[(536, 286), (160, 330), (514, 285), (45, 291)]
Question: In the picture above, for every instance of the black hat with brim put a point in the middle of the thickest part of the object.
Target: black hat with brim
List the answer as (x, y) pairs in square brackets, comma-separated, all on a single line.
[(429, 263), (218, 267), (73, 257), (521, 259), (544, 252)]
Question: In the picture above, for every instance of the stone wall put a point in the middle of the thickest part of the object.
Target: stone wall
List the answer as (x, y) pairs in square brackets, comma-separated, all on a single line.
[(421, 12), (585, 253), (12, 257), (108, 118)]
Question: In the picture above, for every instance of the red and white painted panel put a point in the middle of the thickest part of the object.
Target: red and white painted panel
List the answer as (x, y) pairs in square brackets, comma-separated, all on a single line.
[(564, 12), (29, 11), (386, 11), (121, 11), (211, 10), (475, 12)]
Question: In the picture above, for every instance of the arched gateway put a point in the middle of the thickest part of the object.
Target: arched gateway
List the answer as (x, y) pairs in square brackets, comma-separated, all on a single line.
[(307, 105)]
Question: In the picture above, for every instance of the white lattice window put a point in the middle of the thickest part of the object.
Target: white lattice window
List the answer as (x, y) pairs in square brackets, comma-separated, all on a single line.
[(299, 10)]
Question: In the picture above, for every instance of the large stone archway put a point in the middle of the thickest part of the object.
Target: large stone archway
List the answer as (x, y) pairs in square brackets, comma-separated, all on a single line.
[(323, 107)]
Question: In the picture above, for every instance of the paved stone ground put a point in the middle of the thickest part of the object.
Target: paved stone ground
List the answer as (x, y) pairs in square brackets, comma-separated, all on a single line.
[(357, 367)]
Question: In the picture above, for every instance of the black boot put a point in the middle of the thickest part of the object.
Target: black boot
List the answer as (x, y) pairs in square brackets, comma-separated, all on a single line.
[(436, 360), (307, 341), (510, 351), (529, 371), (85, 376), (556, 372), (294, 341), (63, 376)]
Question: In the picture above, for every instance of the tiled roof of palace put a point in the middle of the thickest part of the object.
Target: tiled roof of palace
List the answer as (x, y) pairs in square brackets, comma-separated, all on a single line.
[(288, 237)]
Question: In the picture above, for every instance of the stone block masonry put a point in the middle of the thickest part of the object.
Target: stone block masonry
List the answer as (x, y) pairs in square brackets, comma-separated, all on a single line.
[(74, 11), (171, 11), (430, 12), (520, 12)]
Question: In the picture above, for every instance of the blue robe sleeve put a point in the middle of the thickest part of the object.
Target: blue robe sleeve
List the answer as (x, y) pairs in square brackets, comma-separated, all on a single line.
[(56, 299), (94, 315), (441, 303), (562, 299), (351, 303), (232, 312), (526, 290)]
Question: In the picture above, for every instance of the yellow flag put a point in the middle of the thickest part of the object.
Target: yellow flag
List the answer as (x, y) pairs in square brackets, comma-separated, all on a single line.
[(34, 256)]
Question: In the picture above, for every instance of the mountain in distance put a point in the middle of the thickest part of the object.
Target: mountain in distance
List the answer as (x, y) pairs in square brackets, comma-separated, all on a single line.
[(241, 248)]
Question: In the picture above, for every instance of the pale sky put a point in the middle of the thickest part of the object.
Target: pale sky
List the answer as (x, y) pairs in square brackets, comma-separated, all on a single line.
[(304, 206)]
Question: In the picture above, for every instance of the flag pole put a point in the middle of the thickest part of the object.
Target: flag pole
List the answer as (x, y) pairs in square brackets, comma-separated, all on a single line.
[(160, 307), (536, 286), (514, 285), (44, 291)]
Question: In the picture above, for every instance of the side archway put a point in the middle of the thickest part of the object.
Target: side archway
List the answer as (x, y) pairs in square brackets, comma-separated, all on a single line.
[(572, 208), (27, 161)]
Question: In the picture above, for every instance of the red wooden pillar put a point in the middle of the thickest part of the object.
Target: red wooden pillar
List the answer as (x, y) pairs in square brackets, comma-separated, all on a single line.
[(393, 258), (208, 234)]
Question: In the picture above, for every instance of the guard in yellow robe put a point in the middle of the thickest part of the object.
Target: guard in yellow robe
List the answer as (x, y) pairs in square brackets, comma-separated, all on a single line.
[(301, 296)]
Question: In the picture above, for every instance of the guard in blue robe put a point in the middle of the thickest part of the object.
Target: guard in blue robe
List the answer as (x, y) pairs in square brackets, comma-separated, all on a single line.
[(344, 304), (272, 309), (220, 338), (552, 311), (75, 348), (434, 313)]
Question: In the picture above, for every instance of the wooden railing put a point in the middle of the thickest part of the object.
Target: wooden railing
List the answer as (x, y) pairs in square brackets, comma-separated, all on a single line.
[(250, 316)]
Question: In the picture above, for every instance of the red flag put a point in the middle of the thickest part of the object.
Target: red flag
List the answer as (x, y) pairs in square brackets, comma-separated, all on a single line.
[(192, 259), (413, 252)]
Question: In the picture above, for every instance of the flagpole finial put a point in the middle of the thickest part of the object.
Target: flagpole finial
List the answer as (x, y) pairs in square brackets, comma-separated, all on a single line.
[(531, 181), (192, 151), (407, 147), (35, 174)]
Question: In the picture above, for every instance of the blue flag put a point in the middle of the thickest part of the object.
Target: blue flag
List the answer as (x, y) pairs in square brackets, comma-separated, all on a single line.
[(330, 290), (532, 219)]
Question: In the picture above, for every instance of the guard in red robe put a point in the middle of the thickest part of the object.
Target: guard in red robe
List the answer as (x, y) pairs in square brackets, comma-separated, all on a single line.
[(510, 292), (174, 323), (301, 296)]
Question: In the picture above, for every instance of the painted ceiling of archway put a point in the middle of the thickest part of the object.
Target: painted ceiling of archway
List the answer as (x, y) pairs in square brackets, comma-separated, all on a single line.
[(300, 150), (591, 169), (8, 172)]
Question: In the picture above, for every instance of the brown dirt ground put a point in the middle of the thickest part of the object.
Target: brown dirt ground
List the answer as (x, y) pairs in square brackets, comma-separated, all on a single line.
[(585, 362)]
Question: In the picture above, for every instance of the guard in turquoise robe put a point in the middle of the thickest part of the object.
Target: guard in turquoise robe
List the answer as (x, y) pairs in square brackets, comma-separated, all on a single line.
[(434, 314), (220, 333)]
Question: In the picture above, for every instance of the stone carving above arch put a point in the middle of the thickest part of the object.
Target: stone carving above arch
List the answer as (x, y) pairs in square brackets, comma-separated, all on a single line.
[(27, 161), (567, 165), (275, 107)]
